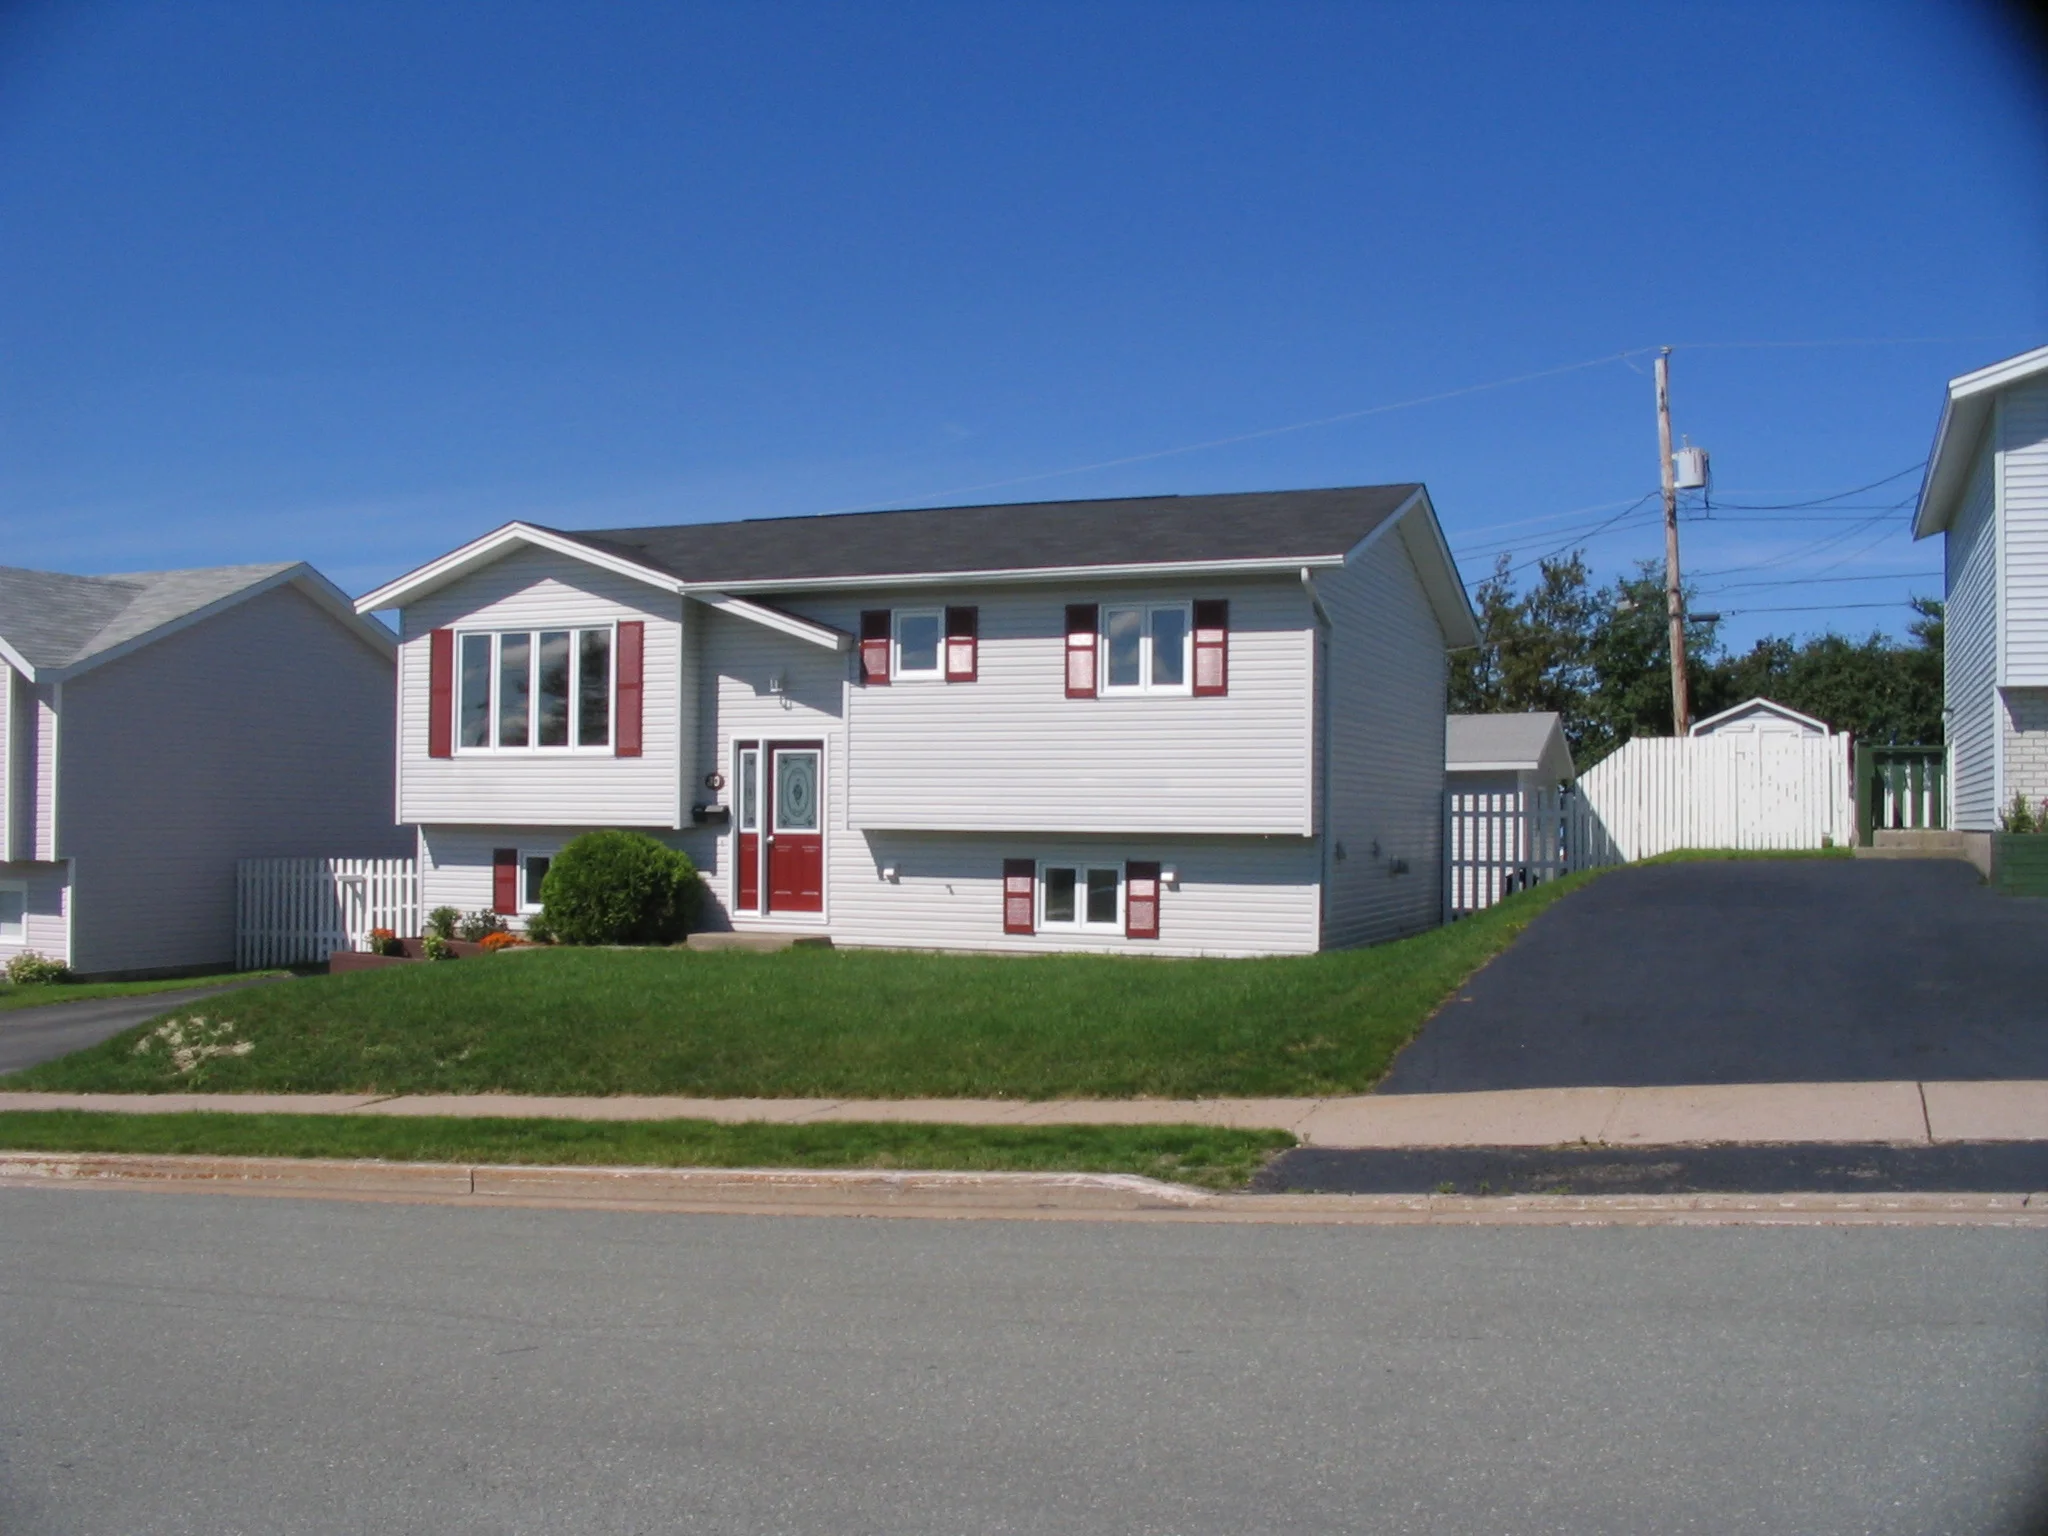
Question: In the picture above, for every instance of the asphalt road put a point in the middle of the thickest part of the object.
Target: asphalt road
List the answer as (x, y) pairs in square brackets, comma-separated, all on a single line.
[(1753, 971), (212, 1364), (32, 1035)]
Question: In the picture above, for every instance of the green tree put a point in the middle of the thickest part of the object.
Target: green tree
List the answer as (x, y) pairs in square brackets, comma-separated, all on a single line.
[(1877, 689)]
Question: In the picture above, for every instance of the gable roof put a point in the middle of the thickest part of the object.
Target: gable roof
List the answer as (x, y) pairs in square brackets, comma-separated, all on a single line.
[(1246, 532), (1964, 415), (1519, 743), (54, 625), (1761, 706)]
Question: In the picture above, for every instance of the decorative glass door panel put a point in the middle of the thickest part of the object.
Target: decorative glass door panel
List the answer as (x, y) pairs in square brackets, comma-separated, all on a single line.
[(796, 835), (748, 854)]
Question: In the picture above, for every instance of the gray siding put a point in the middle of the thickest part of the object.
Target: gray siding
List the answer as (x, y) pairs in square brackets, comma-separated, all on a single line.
[(49, 896), (2023, 455), (1011, 752), (264, 731), (1971, 557), (1387, 679), (539, 589)]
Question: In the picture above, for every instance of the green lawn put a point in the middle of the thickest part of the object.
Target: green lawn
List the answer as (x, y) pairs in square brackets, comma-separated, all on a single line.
[(79, 991), (810, 1022), (1214, 1159)]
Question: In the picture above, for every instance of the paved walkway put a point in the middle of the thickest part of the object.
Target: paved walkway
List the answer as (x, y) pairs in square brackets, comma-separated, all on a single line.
[(1901, 1113)]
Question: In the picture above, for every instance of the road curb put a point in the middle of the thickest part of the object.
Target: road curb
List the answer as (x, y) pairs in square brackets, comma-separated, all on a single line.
[(984, 1196)]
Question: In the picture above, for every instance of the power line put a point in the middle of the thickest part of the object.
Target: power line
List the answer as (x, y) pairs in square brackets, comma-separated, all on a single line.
[(1820, 607), (1805, 581), (1821, 501)]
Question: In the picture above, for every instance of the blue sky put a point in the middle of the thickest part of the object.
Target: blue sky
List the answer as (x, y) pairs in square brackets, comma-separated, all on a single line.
[(355, 283)]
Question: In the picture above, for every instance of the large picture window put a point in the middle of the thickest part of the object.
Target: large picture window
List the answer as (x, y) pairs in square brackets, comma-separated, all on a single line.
[(528, 690), (1145, 648)]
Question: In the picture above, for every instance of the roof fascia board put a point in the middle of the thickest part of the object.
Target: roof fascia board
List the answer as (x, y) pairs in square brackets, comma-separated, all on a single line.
[(290, 575), (1263, 566), (1964, 415), (1518, 765), (774, 618), (16, 660), (1453, 615), (493, 546)]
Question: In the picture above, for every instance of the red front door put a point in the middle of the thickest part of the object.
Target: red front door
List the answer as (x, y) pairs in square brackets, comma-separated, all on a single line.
[(796, 829)]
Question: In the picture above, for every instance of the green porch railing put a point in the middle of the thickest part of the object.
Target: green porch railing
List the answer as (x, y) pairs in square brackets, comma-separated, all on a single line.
[(1900, 789)]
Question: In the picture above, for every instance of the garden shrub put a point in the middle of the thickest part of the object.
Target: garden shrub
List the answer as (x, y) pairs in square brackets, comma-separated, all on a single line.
[(478, 926), (434, 947), (442, 921), (383, 941), (619, 888), (30, 969)]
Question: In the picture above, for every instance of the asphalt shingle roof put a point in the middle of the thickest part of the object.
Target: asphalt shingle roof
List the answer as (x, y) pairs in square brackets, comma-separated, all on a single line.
[(55, 620), (1043, 535)]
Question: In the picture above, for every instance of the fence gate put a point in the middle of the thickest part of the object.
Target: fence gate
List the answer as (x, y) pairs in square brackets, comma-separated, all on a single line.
[(299, 911)]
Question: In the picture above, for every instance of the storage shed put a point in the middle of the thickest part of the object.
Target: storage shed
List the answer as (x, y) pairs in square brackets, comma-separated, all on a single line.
[(1486, 754), (1760, 717)]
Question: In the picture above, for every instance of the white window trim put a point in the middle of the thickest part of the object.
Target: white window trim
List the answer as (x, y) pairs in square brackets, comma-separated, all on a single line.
[(529, 908), (20, 888), (533, 633), (1080, 924), (1184, 688), (902, 674)]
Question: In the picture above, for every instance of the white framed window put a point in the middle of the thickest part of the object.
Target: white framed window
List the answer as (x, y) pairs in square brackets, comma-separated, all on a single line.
[(533, 869), (535, 690), (1084, 897), (1146, 648), (919, 642), (13, 912)]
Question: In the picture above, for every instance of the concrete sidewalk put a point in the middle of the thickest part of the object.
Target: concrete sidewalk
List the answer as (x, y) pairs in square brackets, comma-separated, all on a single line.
[(1900, 1113)]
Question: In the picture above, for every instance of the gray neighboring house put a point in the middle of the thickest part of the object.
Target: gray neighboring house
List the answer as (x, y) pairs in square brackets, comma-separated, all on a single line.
[(157, 727), (1499, 754), (1986, 494)]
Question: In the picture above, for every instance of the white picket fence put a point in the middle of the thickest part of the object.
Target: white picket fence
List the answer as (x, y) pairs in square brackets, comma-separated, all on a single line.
[(1661, 793), (299, 911), (1654, 795), (1497, 842)]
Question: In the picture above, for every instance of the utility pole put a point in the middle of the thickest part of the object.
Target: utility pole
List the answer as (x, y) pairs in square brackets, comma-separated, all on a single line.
[(1674, 598)]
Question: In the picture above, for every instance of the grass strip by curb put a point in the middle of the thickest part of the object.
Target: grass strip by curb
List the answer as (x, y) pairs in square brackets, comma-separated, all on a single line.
[(1205, 1156), (44, 994)]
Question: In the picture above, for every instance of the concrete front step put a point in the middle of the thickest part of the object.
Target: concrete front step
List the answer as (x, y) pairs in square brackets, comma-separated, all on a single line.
[(759, 940), (1929, 844)]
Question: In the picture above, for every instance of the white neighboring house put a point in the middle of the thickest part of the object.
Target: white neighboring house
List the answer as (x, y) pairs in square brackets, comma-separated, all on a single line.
[(1760, 717), (1495, 754), (1986, 493), (157, 727), (1163, 725)]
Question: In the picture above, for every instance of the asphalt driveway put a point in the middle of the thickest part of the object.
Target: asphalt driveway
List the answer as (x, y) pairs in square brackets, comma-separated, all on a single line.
[(32, 1035), (1753, 971)]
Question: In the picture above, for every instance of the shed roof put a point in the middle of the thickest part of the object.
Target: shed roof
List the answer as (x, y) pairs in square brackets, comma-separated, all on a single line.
[(1757, 706), (53, 623), (1523, 743)]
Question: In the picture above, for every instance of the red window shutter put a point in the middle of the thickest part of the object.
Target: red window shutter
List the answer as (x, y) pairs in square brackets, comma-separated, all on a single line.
[(1212, 646), (874, 645), (1081, 621), (441, 693), (505, 880), (1141, 900), (1020, 896), (632, 689), (963, 642)]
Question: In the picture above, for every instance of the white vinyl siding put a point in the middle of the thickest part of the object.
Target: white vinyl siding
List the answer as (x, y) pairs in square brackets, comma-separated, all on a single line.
[(2023, 456), (539, 590), (48, 888), (456, 863), (1971, 652), (1387, 678), (1014, 753), (262, 732)]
